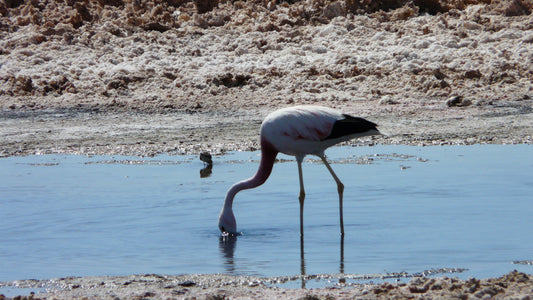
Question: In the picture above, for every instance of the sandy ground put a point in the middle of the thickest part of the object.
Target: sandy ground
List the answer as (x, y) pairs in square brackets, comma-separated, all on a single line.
[(146, 134), (149, 77)]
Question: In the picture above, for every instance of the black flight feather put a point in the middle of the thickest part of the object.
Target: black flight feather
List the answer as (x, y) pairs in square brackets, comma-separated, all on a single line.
[(350, 125)]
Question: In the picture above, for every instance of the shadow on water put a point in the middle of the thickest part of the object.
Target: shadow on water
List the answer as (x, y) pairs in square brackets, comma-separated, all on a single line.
[(228, 244), (302, 259), (206, 171)]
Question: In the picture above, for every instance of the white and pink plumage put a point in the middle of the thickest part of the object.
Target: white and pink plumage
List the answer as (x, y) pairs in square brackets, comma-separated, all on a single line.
[(298, 131)]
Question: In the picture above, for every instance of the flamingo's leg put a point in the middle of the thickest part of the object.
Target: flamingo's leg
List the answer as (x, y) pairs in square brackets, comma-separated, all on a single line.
[(340, 189), (301, 197)]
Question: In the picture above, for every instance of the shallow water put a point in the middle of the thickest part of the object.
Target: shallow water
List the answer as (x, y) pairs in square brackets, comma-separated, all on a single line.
[(406, 209)]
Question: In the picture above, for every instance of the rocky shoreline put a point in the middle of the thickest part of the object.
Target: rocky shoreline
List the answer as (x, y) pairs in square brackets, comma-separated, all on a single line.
[(514, 285)]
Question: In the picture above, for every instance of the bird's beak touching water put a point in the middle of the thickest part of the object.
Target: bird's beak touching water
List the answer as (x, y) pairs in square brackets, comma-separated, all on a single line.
[(227, 224), (226, 233)]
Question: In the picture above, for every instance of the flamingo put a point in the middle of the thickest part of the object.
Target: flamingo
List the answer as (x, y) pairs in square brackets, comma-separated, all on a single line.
[(297, 131)]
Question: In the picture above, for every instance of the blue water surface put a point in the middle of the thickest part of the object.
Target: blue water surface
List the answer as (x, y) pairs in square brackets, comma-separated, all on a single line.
[(406, 209)]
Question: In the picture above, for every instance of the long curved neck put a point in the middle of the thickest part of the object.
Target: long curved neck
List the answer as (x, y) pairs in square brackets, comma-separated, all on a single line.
[(268, 155)]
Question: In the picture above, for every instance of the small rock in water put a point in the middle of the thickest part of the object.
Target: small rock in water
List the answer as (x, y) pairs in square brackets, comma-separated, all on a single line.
[(206, 158)]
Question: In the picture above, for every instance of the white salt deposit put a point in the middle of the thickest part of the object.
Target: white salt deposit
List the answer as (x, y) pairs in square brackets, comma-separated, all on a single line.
[(384, 66)]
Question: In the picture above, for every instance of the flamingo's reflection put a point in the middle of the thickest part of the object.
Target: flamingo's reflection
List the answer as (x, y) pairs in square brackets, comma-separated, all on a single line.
[(228, 244)]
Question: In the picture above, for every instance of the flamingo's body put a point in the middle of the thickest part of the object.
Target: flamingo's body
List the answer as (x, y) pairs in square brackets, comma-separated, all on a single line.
[(298, 131)]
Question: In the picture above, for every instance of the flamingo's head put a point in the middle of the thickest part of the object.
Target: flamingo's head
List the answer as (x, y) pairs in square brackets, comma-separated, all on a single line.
[(227, 223)]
